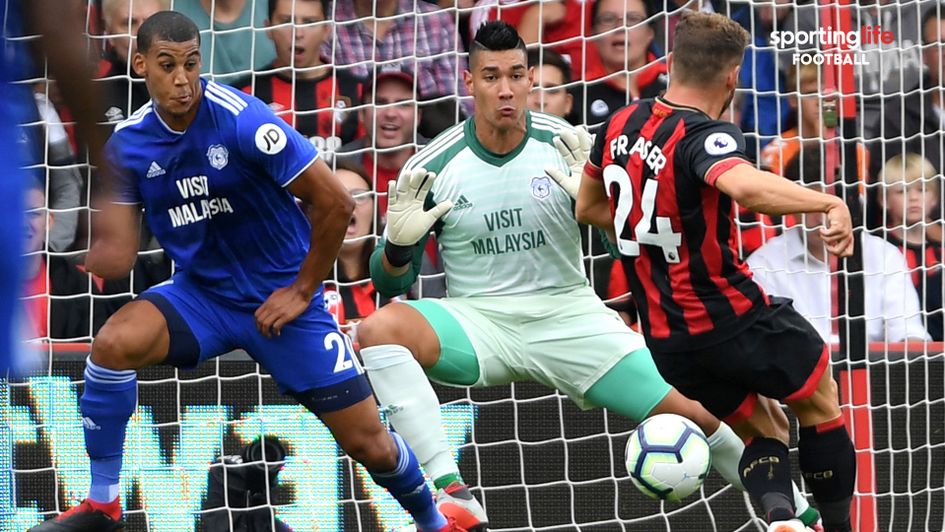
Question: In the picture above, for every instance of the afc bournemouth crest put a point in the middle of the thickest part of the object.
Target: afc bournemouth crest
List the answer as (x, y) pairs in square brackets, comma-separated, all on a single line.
[(218, 156), (541, 187)]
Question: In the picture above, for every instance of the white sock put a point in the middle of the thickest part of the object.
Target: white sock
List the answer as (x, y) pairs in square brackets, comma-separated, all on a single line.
[(411, 405), (727, 448)]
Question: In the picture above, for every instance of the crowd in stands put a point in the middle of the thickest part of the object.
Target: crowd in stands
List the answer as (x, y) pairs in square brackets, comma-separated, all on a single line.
[(369, 82)]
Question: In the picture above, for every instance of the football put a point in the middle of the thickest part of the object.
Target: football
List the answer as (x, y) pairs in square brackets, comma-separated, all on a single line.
[(668, 457)]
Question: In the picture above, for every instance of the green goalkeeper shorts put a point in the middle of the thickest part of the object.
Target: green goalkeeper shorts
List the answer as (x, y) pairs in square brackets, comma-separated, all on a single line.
[(568, 342)]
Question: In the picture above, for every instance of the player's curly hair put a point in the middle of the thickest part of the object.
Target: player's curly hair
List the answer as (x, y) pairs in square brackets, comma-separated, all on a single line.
[(166, 26), (706, 47), (496, 36)]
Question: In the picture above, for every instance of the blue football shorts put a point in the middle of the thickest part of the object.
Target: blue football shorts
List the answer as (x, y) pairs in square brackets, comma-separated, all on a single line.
[(311, 358)]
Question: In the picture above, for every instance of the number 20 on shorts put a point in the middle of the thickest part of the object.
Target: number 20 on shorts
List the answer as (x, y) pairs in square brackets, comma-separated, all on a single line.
[(346, 358)]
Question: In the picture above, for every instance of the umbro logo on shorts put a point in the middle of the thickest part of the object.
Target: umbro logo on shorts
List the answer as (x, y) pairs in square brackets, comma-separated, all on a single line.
[(462, 203), (155, 170)]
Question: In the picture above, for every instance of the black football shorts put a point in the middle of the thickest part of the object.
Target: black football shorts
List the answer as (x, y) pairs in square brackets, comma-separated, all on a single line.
[(780, 356)]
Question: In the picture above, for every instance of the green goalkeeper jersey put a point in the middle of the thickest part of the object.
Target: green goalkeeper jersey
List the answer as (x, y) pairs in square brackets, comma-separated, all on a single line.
[(511, 229)]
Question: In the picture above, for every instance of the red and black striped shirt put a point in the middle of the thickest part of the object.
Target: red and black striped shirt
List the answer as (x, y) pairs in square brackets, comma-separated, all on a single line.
[(659, 163), (318, 108)]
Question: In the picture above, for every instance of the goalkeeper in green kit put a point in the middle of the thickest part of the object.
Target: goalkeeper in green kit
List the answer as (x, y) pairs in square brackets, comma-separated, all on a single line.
[(520, 306)]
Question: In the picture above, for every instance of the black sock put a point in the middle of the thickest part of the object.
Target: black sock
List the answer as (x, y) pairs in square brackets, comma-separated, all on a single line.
[(766, 474), (828, 463)]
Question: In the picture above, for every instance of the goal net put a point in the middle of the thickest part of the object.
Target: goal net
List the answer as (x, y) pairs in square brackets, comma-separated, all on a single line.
[(534, 459)]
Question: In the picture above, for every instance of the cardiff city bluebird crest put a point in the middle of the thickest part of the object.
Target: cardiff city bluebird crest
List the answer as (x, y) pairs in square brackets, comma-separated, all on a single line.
[(218, 156), (541, 187)]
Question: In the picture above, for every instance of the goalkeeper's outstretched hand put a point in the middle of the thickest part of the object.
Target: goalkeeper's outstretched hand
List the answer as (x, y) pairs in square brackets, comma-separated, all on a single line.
[(574, 147), (407, 221)]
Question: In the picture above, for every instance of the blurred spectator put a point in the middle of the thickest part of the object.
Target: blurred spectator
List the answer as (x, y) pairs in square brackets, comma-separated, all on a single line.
[(796, 265), (231, 39), (911, 197), (765, 113), (559, 25), (389, 118), (65, 181), (122, 88), (299, 86), (416, 34), (913, 121), (447, 4), (808, 105), (353, 297), (620, 65), (552, 74), (36, 292), (66, 315), (887, 69)]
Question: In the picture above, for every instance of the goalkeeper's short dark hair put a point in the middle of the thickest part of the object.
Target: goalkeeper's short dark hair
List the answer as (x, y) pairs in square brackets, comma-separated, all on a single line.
[(496, 36), (166, 26)]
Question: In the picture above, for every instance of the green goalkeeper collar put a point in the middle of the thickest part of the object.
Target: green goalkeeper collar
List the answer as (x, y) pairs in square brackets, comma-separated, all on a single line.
[(493, 158)]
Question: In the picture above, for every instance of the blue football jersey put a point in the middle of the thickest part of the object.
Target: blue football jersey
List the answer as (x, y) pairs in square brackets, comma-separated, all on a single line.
[(215, 195)]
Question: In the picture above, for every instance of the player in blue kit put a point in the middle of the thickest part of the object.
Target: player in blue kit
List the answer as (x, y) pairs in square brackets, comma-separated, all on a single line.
[(217, 173)]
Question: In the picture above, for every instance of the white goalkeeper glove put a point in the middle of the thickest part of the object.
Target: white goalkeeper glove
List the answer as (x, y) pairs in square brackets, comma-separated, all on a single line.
[(574, 147), (407, 221)]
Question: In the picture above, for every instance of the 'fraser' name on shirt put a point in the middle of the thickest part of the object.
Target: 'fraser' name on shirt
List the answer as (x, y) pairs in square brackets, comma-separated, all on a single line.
[(650, 154)]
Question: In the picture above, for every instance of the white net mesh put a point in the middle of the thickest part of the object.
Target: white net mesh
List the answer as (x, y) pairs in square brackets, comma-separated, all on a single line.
[(534, 459)]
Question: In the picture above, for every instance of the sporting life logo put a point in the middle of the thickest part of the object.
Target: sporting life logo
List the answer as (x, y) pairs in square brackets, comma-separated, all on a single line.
[(815, 40)]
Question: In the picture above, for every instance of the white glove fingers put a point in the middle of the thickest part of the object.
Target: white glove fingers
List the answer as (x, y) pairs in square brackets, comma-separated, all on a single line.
[(426, 185), (570, 140), (416, 179), (586, 139), (555, 174), (564, 151), (392, 193)]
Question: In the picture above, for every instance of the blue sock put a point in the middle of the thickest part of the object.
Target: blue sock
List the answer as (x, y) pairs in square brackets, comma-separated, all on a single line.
[(407, 485), (108, 401)]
